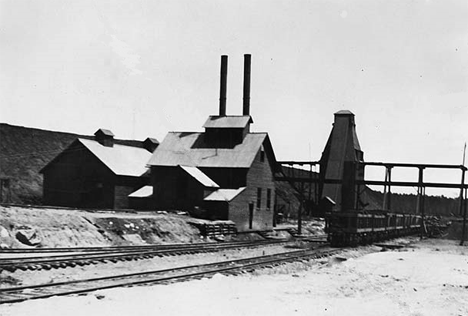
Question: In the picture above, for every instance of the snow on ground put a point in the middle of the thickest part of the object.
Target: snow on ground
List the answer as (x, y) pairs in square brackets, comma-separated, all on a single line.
[(429, 278)]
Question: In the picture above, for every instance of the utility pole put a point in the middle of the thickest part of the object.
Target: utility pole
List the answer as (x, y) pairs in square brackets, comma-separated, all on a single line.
[(463, 199)]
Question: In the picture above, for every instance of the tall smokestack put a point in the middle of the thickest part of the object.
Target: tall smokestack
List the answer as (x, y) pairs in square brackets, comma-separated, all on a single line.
[(246, 107), (223, 87)]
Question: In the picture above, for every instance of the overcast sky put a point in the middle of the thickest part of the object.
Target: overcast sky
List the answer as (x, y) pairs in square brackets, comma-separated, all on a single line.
[(143, 68)]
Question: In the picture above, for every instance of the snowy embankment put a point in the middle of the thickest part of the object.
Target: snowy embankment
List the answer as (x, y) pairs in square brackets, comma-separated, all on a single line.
[(430, 278)]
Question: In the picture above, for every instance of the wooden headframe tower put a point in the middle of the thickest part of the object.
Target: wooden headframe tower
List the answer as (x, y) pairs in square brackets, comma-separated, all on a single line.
[(339, 164)]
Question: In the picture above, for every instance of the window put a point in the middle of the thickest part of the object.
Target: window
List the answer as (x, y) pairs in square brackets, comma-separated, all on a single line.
[(251, 210), (259, 198), (262, 155), (268, 205)]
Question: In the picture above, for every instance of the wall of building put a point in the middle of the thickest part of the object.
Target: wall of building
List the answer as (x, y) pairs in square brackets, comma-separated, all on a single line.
[(227, 178), (260, 175), (78, 179), (216, 210), (125, 185), (121, 193), (175, 189)]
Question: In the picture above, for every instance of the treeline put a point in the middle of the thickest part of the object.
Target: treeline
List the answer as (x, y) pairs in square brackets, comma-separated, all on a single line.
[(407, 203)]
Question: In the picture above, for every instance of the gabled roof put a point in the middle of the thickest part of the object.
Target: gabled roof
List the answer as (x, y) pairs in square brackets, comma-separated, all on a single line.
[(230, 121), (190, 149), (104, 132), (224, 194), (152, 140), (121, 160), (143, 192), (198, 175)]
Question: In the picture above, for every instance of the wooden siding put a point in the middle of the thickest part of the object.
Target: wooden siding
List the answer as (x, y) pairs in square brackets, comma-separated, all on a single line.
[(260, 175), (77, 178), (121, 196), (175, 189), (125, 185), (227, 178), (216, 210)]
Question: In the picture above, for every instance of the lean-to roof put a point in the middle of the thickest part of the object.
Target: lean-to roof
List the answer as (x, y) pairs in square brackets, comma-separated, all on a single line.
[(198, 175), (143, 192), (224, 194)]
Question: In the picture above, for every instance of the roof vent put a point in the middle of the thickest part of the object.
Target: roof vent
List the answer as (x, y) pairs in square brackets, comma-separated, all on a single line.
[(105, 137), (150, 144)]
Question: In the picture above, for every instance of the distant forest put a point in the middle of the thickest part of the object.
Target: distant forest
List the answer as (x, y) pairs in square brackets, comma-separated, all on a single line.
[(288, 199), (433, 205)]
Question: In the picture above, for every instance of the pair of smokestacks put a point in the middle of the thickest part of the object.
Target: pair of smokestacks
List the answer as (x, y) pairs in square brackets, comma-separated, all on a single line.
[(223, 88)]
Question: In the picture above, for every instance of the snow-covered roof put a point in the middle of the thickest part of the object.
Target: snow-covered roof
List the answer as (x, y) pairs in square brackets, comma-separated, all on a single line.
[(121, 160), (224, 194), (198, 175), (143, 192)]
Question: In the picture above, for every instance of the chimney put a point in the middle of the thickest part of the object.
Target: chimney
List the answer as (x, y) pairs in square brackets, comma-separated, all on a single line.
[(105, 137), (246, 107), (223, 88)]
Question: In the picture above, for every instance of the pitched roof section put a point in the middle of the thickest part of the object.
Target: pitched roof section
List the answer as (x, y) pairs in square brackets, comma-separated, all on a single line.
[(228, 121), (104, 132), (152, 140), (189, 149), (143, 192), (224, 195), (122, 160), (198, 175)]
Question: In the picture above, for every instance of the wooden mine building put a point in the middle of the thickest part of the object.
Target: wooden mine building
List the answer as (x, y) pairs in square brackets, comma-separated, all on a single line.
[(226, 172), (99, 173)]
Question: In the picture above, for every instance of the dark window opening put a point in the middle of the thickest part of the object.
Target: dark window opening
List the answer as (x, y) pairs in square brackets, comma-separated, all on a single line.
[(259, 198), (262, 156), (251, 209), (268, 205)]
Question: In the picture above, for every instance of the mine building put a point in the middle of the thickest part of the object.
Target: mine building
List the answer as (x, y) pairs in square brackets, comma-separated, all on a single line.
[(97, 173), (224, 173), (339, 162)]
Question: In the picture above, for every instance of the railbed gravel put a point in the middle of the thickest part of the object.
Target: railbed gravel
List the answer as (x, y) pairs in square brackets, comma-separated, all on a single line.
[(62, 273)]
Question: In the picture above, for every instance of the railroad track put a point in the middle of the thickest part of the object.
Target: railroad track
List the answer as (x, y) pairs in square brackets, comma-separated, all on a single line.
[(84, 256), (116, 248), (19, 294)]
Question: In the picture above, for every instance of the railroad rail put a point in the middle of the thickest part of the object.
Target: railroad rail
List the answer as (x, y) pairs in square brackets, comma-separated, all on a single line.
[(71, 257), (19, 294)]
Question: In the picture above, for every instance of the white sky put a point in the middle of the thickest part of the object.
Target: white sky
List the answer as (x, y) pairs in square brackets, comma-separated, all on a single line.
[(143, 68)]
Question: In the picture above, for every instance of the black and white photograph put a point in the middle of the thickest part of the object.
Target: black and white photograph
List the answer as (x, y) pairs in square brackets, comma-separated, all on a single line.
[(221, 157)]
